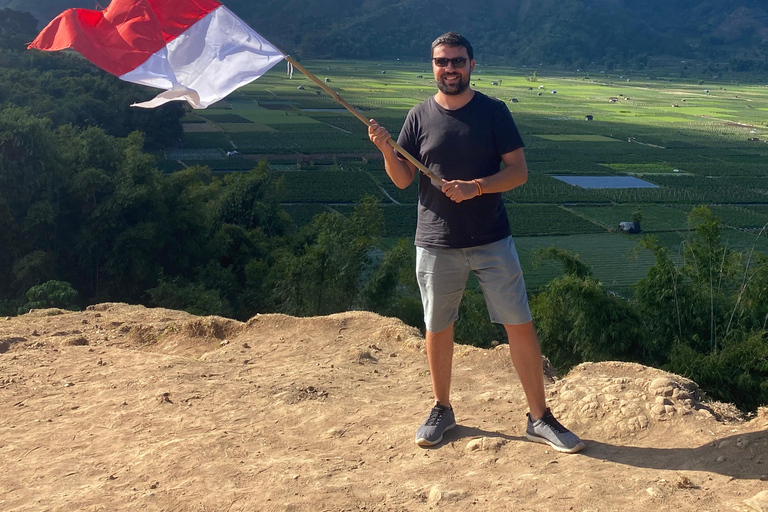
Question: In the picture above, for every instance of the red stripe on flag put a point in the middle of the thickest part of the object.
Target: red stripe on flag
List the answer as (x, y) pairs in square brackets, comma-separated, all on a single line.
[(125, 34)]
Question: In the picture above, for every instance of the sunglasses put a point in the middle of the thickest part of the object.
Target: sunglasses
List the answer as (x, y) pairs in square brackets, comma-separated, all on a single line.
[(458, 62)]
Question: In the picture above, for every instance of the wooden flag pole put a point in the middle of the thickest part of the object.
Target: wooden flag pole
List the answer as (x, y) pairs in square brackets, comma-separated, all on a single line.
[(362, 118)]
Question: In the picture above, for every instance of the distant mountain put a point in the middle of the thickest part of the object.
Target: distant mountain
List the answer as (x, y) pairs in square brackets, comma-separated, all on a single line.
[(565, 32)]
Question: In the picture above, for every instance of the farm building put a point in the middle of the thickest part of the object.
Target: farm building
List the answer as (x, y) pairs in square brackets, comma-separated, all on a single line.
[(630, 228)]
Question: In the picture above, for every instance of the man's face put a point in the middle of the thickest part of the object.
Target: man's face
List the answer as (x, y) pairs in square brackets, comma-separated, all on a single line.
[(450, 79)]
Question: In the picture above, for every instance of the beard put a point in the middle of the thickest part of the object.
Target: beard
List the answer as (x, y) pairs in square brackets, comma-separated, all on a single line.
[(453, 89)]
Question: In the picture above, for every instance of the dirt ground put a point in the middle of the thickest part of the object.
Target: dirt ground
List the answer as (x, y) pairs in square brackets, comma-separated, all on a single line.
[(126, 408)]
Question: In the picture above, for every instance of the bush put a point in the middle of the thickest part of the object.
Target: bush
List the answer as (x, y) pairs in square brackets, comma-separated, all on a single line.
[(51, 294)]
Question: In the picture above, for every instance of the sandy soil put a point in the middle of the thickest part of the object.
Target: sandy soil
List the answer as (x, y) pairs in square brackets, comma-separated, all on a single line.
[(127, 408)]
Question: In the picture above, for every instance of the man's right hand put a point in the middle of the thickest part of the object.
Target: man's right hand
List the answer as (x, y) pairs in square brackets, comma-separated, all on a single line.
[(379, 136)]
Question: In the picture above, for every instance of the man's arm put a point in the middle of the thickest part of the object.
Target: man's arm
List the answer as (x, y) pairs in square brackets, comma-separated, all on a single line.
[(401, 172), (514, 174)]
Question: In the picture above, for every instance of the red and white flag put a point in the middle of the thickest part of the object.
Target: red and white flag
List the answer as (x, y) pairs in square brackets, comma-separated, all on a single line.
[(197, 50)]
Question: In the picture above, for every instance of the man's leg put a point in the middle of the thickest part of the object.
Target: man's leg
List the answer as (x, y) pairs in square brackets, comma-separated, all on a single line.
[(442, 275), (542, 427), (440, 358), (526, 356)]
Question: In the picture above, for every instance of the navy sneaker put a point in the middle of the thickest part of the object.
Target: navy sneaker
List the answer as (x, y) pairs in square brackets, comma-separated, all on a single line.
[(431, 432), (549, 431)]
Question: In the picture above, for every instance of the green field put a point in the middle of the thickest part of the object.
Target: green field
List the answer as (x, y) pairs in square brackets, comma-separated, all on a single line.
[(701, 143)]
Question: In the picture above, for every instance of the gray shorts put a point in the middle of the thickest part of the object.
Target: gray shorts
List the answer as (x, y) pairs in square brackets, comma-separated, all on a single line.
[(442, 275)]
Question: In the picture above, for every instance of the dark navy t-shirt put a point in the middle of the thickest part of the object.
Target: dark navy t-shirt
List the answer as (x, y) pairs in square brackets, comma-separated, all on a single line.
[(462, 144)]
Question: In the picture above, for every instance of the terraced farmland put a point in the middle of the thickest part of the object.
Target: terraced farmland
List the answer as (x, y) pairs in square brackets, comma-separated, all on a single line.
[(698, 142)]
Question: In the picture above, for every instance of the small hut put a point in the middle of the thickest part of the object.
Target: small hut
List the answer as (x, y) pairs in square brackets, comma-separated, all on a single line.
[(631, 228)]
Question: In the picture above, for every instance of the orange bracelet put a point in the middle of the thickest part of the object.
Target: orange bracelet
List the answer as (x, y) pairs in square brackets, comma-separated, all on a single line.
[(479, 188)]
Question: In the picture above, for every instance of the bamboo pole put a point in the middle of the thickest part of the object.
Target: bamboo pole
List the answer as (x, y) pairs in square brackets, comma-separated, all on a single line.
[(362, 118)]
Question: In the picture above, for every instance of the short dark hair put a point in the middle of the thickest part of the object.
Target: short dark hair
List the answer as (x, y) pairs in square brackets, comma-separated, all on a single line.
[(453, 39)]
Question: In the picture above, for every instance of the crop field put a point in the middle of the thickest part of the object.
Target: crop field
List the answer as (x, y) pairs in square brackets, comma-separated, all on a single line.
[(699, 142)]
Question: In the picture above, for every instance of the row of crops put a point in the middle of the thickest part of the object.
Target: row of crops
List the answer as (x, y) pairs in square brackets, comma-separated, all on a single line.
[(698, 152)]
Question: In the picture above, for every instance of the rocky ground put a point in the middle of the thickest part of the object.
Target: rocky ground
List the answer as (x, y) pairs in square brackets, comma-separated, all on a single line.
[(127, 408)]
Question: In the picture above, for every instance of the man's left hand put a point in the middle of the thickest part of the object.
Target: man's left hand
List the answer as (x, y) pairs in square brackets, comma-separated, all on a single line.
[(458, 190)]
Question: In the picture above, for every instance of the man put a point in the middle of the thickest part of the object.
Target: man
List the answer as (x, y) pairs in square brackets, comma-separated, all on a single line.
[(463, 137)]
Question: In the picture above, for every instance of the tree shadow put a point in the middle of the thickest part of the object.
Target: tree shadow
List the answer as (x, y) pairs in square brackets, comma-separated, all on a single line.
[(749, 462), (746, 462)]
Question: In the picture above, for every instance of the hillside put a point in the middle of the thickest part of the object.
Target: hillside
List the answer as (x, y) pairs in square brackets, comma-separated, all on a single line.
[(126, 408), (567, 32)]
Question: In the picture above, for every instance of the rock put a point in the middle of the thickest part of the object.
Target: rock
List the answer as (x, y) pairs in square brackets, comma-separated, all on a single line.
[(725, 444), (660, 383), (486, 444), (758, 502), (488, 396), (76, 341), (683, 482), (742, 442), (437, 494), (655, 492)]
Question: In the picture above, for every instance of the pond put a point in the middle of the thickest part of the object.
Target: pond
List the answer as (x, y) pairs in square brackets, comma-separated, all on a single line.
[(606, 181)]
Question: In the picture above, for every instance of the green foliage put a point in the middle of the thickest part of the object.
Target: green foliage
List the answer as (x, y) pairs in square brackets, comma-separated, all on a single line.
[(16, 29), (570, 262), (545, 219), (69, 90), (51, 294), (324, 272), (391, 289), (193, 298), (474, 326), (706, 314), (579, 320), (737, 373)]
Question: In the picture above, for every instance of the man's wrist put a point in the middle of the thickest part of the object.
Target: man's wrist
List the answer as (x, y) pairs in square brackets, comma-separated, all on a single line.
[(479, 187)]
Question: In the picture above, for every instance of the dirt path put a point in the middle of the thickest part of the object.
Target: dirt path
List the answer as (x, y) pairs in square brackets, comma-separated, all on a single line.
[(127, 408)]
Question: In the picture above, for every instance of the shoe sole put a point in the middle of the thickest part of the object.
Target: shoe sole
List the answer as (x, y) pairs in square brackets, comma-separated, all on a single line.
[(426, 442), (562, 449)]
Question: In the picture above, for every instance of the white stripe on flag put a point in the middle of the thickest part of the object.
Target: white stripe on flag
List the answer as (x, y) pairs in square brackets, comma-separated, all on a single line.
[(208, 61)]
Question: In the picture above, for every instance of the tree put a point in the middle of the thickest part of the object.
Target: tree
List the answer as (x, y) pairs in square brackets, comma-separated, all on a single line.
[(51, 294), (16, 29), (391, 289), (324, 274), (577, 319), (707, 313)]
